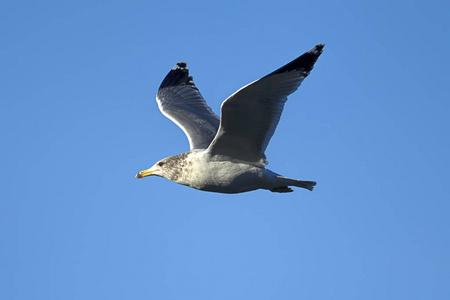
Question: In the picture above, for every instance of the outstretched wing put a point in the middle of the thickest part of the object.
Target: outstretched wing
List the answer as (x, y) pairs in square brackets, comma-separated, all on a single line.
[(249, 116), (180, 100)]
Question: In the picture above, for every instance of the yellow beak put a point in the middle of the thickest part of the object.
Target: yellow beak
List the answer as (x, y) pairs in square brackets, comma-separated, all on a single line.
[(144, 173)]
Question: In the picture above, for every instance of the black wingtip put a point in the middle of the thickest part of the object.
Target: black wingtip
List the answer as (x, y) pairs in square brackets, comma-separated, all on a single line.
[(180, 65), (305, 62), (319, 47), (179, 75)]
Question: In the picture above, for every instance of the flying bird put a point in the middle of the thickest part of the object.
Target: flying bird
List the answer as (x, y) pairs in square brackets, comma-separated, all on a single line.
[(227, 154)]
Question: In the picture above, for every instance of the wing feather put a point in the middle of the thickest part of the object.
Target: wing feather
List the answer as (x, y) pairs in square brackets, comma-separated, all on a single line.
[(250, 116), (180, 100)]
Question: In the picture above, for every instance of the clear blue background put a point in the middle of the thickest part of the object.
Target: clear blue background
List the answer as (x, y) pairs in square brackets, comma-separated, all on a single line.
[(79, 120)]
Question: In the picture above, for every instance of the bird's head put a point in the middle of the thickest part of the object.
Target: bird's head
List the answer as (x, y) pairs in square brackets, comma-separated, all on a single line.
[(172, 168), (157, 169)]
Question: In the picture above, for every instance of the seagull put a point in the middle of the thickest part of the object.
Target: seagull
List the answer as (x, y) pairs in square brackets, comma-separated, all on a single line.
[(227, 154)]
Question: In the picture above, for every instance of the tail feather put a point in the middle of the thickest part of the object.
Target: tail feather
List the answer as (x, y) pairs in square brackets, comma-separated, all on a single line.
[(284, 181)]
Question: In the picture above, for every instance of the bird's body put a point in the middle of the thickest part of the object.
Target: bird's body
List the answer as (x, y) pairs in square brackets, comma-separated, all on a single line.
[(227, 154), (197, 169)]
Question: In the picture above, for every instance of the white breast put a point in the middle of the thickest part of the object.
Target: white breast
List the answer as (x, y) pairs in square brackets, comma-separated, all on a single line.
[(225, 176)]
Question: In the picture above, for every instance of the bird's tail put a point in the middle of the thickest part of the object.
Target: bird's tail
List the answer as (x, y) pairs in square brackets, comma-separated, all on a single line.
[(285, 182)]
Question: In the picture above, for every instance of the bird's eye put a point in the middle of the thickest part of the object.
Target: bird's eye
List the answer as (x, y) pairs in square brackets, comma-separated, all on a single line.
[(160, 164)]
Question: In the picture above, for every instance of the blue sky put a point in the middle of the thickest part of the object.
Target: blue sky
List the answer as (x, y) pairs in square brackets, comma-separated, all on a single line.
[(79, 120)]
